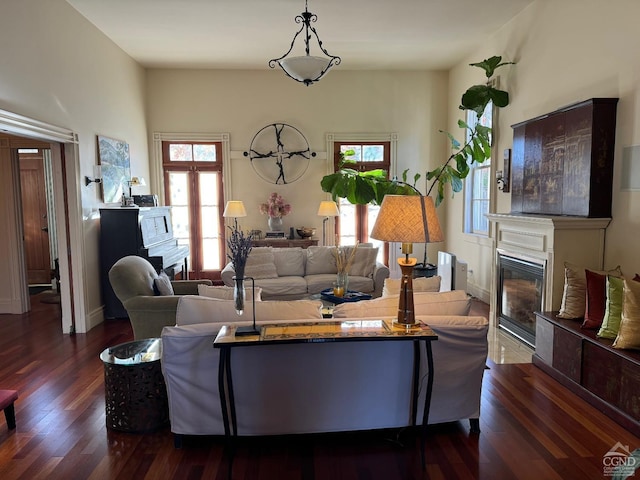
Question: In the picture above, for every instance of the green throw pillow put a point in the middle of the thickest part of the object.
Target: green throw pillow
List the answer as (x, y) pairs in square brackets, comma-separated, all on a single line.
[(613, 308)]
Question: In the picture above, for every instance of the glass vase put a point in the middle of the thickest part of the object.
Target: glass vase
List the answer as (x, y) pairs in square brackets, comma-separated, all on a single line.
[(239, 295), (275, 224), (341, 285)]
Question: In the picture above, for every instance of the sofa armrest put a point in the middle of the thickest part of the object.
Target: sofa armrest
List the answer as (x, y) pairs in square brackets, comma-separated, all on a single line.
[(188, 287), (227, 274), (148, 315), (380, 272)]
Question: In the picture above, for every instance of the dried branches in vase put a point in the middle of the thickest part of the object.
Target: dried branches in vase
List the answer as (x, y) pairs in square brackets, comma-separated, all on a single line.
[(344, 259), (239, 247)]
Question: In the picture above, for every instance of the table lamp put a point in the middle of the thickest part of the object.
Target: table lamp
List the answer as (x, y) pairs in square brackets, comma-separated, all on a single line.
[(407, 219), (234, 209), (327, 209), (136, 182)]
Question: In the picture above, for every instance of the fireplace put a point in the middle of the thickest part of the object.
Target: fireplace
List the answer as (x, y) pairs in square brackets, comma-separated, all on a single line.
[(529, 254), (520, 293)]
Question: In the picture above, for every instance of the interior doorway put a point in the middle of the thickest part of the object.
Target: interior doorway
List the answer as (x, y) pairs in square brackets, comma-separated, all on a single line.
[(62, 146), (38, 217)]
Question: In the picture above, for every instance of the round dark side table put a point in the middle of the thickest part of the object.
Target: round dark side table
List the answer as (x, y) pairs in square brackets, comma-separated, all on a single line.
[(135, 392)]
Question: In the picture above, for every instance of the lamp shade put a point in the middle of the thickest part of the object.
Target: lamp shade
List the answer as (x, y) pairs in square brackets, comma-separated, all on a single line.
[(306, 68), (234, 209), (407, 219), (328, 208), (137, 182)]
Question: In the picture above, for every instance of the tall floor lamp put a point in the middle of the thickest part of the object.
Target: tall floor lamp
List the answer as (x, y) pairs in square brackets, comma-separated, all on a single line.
[(407, 219), (327, 209)]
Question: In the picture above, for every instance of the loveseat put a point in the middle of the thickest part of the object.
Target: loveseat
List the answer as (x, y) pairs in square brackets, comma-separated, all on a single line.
[(297, 273), (324, 387)]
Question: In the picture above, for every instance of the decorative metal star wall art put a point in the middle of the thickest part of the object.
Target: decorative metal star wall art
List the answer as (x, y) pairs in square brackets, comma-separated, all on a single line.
[(279, 153)]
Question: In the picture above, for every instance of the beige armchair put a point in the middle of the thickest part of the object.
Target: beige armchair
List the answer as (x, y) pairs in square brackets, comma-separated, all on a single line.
[(132, 279)]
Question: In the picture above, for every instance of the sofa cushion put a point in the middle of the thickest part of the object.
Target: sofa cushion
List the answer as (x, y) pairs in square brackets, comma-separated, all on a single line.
[(226, 293), (421, 284), (162, 285), (629, 333), (596, 298), (364, 261), (261, 264), (613, 308), (289, 261), (575, 287), (193, 309), (281, 286), (455, 302), (320, 260)]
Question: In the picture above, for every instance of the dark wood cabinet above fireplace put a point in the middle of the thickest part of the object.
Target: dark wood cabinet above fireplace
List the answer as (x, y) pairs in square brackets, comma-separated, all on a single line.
[(563, 161)]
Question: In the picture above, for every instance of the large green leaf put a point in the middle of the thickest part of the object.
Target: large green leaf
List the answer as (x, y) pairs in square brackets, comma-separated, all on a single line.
[(500, 98), (476, 98), (490, 65)]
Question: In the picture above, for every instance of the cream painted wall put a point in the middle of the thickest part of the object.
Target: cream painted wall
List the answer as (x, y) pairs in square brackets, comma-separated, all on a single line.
[(58, 68), (565, 52), (411, 104)]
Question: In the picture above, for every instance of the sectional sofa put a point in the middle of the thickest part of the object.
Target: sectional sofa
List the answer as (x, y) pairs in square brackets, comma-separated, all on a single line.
[(325, 387), (296, 273)]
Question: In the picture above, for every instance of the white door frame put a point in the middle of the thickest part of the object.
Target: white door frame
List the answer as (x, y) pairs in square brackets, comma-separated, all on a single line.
[(68, 219)]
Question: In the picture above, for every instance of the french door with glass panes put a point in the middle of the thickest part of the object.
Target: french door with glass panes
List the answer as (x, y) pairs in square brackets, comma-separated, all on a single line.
[(193, 188), (356, 221)]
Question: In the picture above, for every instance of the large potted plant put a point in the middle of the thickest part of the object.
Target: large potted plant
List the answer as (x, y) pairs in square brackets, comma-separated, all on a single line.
[(371, 186)]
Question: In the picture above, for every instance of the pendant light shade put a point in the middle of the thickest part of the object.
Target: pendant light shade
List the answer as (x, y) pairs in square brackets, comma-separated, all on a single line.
[(306, 68)]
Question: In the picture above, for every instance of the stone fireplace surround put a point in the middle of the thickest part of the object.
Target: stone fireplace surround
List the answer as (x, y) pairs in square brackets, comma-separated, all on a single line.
[(551, 241)]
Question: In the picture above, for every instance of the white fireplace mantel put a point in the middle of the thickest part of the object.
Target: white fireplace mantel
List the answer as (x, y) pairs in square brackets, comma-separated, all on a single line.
[(552, 240)]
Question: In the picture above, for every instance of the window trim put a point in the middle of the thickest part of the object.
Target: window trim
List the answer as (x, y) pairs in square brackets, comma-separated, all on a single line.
[(467, 217), (362, 138), (156, 167)]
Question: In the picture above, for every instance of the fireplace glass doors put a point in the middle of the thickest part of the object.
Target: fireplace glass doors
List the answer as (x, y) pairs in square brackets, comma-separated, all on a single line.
[(520, 293)]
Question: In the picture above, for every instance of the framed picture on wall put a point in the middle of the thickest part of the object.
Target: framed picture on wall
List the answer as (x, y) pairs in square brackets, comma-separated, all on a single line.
[(114, 159)]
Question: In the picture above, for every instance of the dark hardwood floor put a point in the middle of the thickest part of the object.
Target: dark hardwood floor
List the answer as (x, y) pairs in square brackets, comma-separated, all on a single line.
[(532, 427)]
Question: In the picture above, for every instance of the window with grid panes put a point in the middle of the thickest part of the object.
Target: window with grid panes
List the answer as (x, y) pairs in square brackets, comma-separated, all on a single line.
[(477, 183), (193, 187), (356, 221)]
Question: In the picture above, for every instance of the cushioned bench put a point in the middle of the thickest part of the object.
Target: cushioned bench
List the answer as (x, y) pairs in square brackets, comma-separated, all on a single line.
[(7, 398)]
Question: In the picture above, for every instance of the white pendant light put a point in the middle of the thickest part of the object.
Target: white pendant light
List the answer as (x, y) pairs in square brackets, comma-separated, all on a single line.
[(306, 68)]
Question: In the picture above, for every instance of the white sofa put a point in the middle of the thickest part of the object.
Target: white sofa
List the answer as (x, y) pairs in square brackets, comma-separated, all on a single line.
[(296, 273), (325, 387)]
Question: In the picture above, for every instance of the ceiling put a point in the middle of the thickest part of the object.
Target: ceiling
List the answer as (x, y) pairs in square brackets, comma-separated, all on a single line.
[(246, 34)]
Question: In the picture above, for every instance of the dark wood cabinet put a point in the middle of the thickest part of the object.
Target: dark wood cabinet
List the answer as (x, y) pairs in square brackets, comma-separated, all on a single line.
[(606, 377), (567, 354), (562, 162), (285, 242)]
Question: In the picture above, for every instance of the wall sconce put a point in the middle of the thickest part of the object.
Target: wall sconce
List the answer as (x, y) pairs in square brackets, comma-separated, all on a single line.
[(503, 176), (97, 176)]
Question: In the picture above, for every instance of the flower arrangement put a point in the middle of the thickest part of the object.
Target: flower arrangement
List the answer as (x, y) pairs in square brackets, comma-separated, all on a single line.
[(275, 206)]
